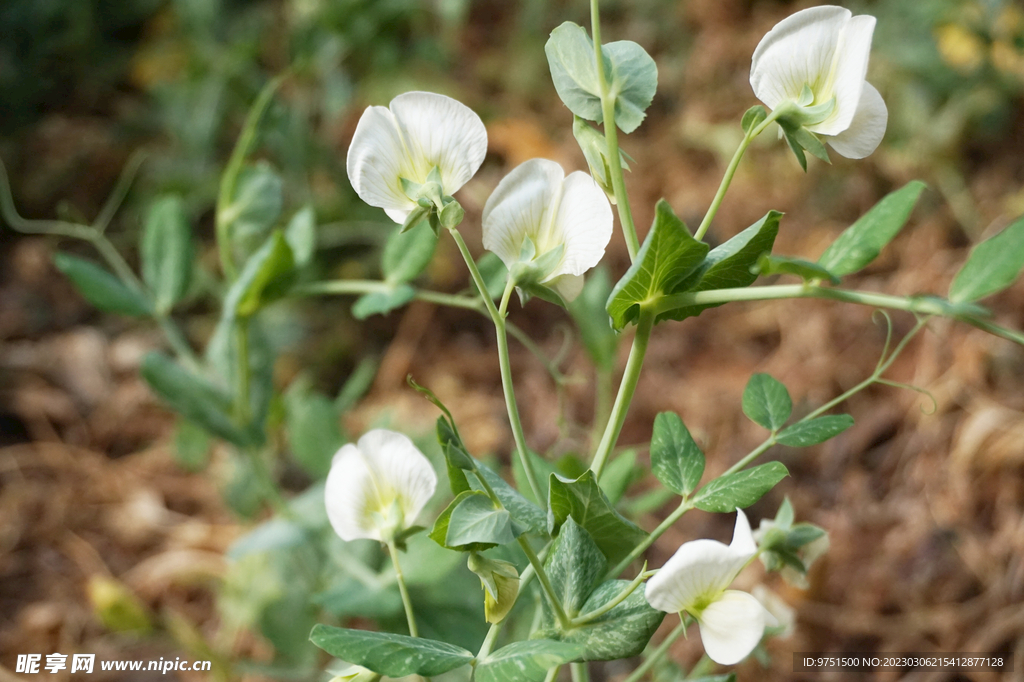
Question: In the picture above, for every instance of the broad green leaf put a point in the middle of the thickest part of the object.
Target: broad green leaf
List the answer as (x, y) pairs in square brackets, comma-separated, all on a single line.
[(407, 254), (265, 277), (383, 302), (193, 398), (768, 264), (256, 204), (592, 321), (390, 654), (864, 240), (191, 446), (618, 475), (668, 255), (630, 72), (313, 429), (439, 532), (526, 661), (585, 502), (675, 458), (574, 566), (623, 632), (728, 265), (167, 253), (475, 520), (522, 510), (101, 288), (766, 401), (992, 266), (301, 235), (814, 431), (739, 490)]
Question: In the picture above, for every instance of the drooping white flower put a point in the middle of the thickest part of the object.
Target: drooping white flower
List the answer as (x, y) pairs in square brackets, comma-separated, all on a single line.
[(696, 580), (537, 201), (417, 132), (377, 486), (825, 49)]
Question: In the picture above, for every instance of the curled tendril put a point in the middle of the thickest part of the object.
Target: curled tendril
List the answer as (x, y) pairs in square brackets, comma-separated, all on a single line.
[(917, 389)]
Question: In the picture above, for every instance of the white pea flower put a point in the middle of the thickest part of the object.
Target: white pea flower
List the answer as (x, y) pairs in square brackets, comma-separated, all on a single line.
[(696, 579), (824, 49), (377, 486), (407, 140), (536, 206), (356, 673)]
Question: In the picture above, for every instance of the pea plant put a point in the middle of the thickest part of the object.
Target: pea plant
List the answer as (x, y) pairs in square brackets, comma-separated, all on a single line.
[(555, 566)]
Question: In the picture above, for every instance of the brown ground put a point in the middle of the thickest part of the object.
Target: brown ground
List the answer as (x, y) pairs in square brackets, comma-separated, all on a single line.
[(924, 506)]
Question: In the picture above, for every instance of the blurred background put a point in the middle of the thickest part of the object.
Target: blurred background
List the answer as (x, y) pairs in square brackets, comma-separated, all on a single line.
[(115, 519)]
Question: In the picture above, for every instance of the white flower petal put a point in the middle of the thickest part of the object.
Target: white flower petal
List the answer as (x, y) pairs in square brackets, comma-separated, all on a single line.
[(700, 570), (443, 132), (375, 161), (731, 627), (350, 496), (866, 130), (583, 223), (848, 71), (567, 286), (368, 477), (519, 205), (398, 463), (798, 50)]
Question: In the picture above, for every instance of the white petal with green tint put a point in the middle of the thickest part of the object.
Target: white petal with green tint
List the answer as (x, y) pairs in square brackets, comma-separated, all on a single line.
[(867, 128), (377, 486), (700, 571), (731, 626), (538, 201), (417, 132)]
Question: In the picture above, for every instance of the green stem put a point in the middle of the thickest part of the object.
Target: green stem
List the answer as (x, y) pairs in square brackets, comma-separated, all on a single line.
[(552, 674), (488, 644), (622, 596), (410, 617), (611, 137), (124, 183), (730, 171), (657, 654), (545, 582), (683, 507), (580, 672), (782, 291), (356, 287), (630, 377), (228, 181), (474, 272)]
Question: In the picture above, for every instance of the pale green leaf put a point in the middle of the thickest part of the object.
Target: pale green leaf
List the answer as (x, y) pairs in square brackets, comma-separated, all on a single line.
[(622, 632), (586, 503), (475, 519), (675, 458), (390, 654), (739, 490), (526, 661), (167, 252), (101, 288), (382, 302), (407, 254), (766, 401), (814, 431), (992, 266)]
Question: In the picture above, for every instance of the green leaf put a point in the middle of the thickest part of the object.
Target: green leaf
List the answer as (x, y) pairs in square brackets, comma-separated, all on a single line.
[(753, 117), (629, 69), (768, 264), (622, 632), (585, 502), (574, 567), (353, 598), (795, 147), (494, 274), (475, 520), (675, 458), (592, 321), (668, 255), (167, 252), (383, 302), (992, 266), (814, 431), (618, 475), (526, 661), (439, 532), (766, 401), (301, 236), (100, 288), (739, 490), (193, 398), (522, 510), (256, 204), (266, 276), (728, 265), (191, 446), (222, 355), (314, 433), (390, 654), (407, 254), (864, 240)]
